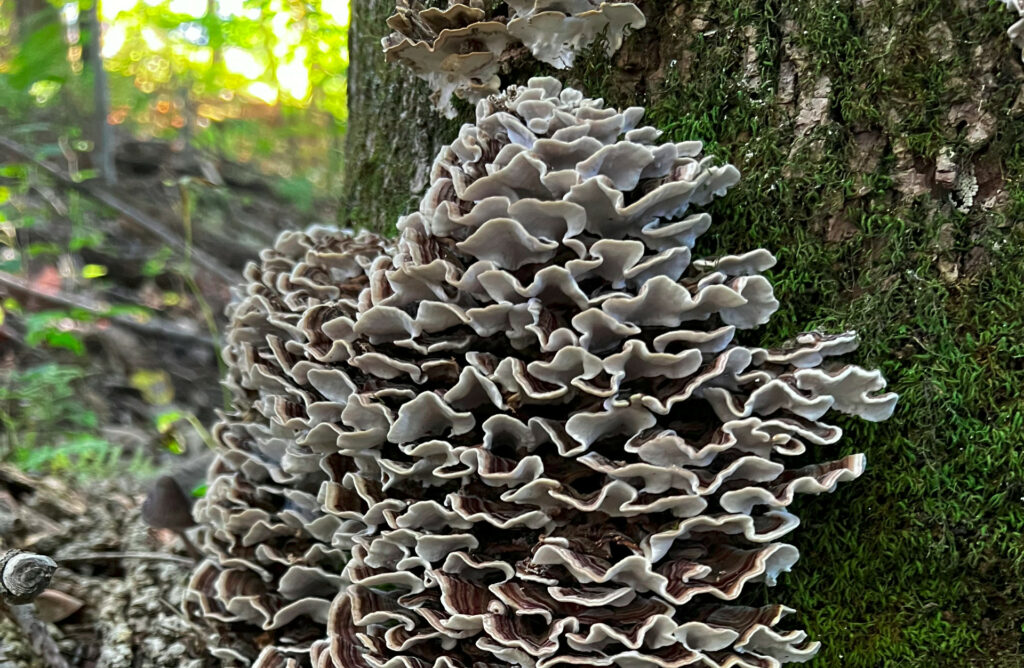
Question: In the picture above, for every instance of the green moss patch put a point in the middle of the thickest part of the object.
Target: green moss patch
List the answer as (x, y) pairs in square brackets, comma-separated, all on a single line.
[(918, 563)]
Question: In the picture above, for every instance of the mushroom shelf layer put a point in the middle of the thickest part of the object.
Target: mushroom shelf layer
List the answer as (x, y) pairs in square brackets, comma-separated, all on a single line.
[(460, 50)]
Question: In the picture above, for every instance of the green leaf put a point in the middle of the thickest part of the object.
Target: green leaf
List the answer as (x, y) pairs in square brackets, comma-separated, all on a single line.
[(42, 327), (90, 240), (65, 340), (88, 419), (94, 271), (15, 171), (11, 266), (199, 491), (155, 385), (81, 315), (85, 175), (41, 57), (153, 268), (42, 248), (166, 421), (157, 264), (139, 312)]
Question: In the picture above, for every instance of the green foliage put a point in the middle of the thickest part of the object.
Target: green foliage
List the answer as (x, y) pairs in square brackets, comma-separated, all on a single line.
[(262, 82), (170, 424), (40, 58), (54, 329), (48, 429), (298, 191)]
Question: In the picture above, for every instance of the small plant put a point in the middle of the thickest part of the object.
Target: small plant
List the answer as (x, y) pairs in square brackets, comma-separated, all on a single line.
[(47, 428)]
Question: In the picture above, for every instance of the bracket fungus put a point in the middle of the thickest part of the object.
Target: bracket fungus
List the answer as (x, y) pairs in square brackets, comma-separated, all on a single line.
[(459, 50), (525, 435)]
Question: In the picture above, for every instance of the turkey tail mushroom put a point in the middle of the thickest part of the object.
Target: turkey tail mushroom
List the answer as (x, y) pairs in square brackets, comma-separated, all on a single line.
[(524, 434), (459, 50), (1016, 31)]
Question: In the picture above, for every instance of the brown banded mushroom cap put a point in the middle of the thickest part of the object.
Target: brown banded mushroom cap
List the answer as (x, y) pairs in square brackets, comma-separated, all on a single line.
[(54, 606)]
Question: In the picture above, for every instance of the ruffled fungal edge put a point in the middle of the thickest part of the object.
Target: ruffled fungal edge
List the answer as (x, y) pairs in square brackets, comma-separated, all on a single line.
[(459, 50)]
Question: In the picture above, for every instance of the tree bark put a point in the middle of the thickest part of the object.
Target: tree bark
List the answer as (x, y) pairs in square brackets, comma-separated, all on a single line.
[(101, 96), (880, 146), (390, 117), (25, 11)]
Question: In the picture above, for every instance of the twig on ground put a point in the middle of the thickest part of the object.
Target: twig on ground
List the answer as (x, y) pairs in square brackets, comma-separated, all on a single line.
[(23, 576), (149, 556)]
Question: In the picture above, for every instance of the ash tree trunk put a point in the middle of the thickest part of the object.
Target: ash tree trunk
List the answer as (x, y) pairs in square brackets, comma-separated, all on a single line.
[(882, 151)]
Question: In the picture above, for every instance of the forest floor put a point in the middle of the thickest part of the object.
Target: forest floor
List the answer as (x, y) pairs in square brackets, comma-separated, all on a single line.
[(115, 600), (111, 308)]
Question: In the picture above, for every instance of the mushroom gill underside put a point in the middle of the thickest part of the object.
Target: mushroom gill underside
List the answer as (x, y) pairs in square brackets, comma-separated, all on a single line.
[(523, 433)]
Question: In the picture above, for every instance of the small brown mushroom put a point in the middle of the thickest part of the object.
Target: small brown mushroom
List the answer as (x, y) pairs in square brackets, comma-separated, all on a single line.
[(168, 507)]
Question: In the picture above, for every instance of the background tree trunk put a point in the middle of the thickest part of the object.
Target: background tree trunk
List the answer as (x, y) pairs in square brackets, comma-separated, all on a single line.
[(882, 149), (101, 95), (25, 13)]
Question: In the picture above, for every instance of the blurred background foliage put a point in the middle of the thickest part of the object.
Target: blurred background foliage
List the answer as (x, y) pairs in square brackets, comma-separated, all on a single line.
[(148, 150), (260, 82)]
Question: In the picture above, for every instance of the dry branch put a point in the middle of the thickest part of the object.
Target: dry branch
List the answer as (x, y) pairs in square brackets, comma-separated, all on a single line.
[(154, 327), (144, 556), (140, 219), (23, 576)]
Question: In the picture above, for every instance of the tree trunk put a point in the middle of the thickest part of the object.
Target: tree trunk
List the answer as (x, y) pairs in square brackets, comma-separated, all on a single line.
[(101, 96), (26, 12), (390, 117), (882, 151)]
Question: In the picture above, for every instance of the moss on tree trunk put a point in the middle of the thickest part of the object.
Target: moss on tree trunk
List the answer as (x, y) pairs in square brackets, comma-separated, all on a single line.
[(882, 149)]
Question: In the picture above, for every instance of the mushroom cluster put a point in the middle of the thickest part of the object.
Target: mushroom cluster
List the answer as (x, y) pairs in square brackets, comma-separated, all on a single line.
[(271, 568), (459, 50), (527, 429)]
